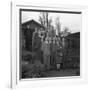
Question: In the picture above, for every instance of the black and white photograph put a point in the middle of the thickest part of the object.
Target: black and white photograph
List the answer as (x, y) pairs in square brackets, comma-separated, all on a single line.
[(49, 43)]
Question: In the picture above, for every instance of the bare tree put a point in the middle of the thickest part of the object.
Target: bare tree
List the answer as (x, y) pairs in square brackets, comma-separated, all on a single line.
[(44, 20), (58, 25), (49, 23), (66, 31)]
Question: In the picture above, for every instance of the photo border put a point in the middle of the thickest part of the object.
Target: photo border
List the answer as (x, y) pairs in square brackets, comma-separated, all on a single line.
[(15, 50)]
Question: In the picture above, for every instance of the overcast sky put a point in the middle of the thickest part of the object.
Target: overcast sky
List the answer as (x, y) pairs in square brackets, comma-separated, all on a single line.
[(72, 21)]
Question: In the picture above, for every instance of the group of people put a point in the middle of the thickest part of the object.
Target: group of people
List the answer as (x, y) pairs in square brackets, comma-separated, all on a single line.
[(48, 49)]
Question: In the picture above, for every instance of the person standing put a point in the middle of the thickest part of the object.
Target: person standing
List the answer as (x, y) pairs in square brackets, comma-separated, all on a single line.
[(36, 47), (46, 54), (58, 56), (53, 51)]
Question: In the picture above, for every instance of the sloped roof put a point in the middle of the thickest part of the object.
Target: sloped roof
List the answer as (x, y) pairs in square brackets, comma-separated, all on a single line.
[(33, 21), (73, 35), (77, 34)]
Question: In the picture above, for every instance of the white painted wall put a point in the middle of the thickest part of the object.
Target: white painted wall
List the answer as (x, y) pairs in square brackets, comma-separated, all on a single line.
[(5, 44)]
